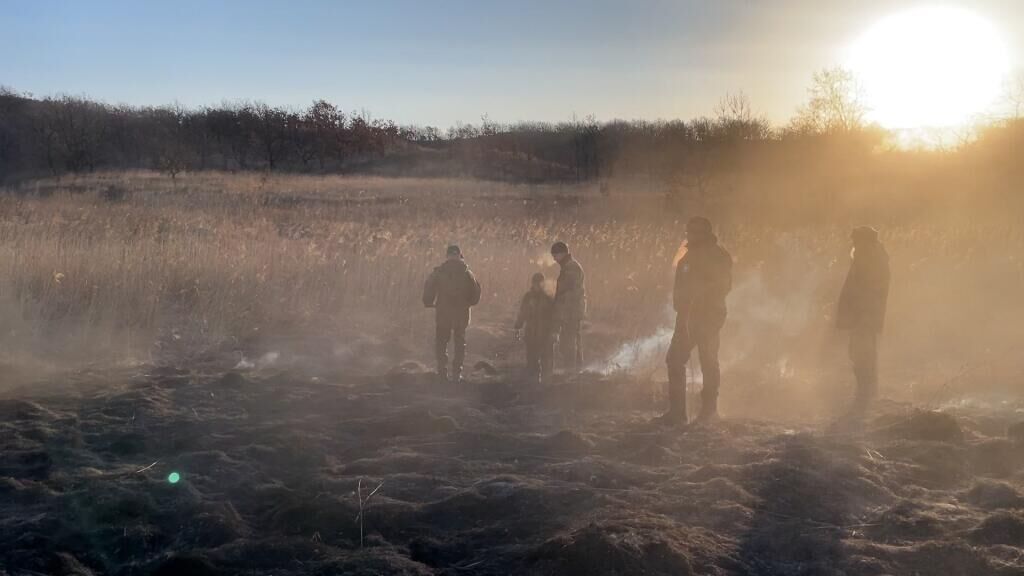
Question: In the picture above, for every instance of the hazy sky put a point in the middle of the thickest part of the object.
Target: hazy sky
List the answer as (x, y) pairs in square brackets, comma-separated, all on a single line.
[(441, 61)]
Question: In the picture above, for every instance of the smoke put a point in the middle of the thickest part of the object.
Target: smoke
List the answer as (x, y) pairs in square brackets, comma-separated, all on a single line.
[(543, 260), (642, 355), (265, 361), (777, 307), (776, 304)]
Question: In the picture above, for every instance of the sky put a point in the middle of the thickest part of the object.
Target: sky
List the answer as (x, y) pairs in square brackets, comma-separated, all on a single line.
[(439, 62)]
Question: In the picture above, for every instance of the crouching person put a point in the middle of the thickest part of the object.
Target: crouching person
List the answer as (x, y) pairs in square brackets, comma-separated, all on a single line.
[(535, 325)]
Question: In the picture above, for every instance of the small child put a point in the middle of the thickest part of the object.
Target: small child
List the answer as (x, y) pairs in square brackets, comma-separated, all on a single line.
[(535, 323)]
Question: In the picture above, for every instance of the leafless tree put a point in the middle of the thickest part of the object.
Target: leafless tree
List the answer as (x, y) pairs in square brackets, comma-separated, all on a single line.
[(172, 142), (271, 131), (1014, 95), (835, 104), (735, 119), (325, 122)]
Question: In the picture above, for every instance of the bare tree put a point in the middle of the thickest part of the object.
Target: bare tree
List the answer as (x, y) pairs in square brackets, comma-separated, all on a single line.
[(835, 104), (173, 146), (735, 119), (271, 132), (78, 126), (11, 104), (1014, 95), (325, 122)]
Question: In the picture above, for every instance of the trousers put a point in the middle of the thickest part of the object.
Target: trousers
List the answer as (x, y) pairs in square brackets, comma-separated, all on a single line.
[(705, 337), (570, 344), (539, 358), (451, 325), (864, 357)]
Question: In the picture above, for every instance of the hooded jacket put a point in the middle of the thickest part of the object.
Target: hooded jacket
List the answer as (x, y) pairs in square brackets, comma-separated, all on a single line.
[(535, 314), (865, 294), (703, 280), (451, 286)]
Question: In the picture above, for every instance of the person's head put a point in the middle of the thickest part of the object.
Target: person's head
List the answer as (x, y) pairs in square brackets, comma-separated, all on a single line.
[(537, 281), (698, 231), (453, 252), (864, 236), (559, 251)]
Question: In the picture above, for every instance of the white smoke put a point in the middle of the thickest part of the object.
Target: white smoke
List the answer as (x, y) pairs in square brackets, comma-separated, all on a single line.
[(643, 354), (770, 305), (265, 361)]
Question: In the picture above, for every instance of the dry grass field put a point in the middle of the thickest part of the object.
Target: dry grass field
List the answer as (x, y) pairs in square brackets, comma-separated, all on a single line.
[(262, 336), (133, 267)]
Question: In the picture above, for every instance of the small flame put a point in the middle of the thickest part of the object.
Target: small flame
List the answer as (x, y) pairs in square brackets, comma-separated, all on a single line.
[(544, 260)]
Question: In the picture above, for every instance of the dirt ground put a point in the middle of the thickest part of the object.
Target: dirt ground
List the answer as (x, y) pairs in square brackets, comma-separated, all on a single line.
[(289, 469)]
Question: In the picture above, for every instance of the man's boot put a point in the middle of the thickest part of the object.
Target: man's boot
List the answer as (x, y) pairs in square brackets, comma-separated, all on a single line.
[(457, 375), (676, 415), (708, 408), (442, 375)]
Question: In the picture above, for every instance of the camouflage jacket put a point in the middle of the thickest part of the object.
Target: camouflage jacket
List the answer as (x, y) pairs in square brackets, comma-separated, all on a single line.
[(571, 292), (451, 285)]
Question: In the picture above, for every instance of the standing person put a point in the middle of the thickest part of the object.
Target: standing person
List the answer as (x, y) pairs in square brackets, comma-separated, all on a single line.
[(861, 310), (451, 289), (535, 315), (703, 280), (570, 306)]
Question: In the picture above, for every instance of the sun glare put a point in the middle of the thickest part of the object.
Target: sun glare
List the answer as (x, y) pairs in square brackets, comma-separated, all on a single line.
[(929, 67)]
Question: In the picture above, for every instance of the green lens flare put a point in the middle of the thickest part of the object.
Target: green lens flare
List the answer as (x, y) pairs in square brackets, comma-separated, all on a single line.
[(173, 477)]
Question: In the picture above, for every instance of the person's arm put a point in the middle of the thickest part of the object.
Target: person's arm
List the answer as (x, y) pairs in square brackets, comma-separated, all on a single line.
[(881, 294), (680, 295), (562, 285), (474, 288), (844, 309), (430, 290), (573, 293), (722, 277), (521, 317)]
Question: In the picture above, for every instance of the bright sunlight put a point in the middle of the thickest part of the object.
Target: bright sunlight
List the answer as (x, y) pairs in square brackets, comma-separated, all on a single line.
[(929, 67)]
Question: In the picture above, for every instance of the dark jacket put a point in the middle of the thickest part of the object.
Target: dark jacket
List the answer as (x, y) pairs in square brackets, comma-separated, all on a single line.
[(451, 286), (703, 280), (865, 293), (536, 314), (570, 291)]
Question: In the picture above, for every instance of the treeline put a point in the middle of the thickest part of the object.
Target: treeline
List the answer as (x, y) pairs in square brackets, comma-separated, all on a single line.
[(70, 134), (56, 135), (67, 134), (826, 155)]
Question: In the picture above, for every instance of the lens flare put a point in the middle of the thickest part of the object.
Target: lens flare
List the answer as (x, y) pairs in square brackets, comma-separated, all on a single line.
[(929, 67)]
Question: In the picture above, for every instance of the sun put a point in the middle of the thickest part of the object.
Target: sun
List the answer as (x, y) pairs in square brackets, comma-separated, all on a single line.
[(929, 67)]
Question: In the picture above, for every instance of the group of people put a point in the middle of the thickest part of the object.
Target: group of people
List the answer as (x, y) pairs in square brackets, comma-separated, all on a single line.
[(452, 290), (703, 280)]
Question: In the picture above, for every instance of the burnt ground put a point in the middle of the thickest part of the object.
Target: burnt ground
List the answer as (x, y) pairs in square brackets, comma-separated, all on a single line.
[(486, 478)]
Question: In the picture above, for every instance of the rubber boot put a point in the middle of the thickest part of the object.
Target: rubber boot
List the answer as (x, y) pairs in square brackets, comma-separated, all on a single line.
[(708, 408), (676, 414)]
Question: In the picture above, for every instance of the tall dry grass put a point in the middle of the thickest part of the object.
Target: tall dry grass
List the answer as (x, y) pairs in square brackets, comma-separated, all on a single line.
[(132, 265)]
